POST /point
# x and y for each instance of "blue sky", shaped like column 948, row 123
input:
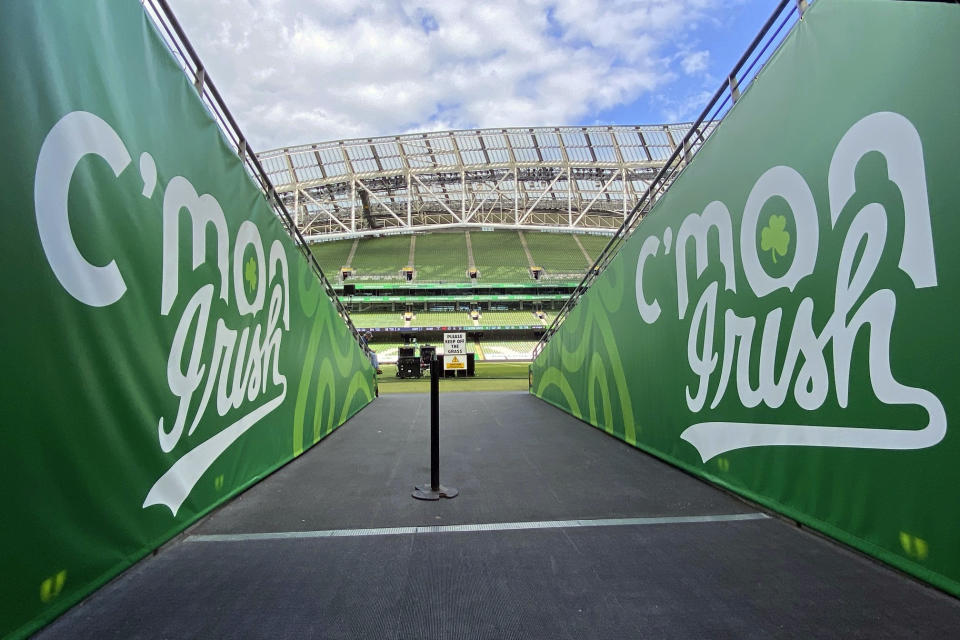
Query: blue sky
column 301, row 71
column 726, row 38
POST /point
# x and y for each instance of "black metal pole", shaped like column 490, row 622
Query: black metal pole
column 436, row 490
column 435, row 423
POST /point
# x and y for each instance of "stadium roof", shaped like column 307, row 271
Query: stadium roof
column 576, row 178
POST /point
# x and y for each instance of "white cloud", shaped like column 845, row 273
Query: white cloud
column 298, row 71
column 695, row 62
column 684, row 108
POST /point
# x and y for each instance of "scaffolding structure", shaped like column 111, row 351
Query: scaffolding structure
column 574, row 178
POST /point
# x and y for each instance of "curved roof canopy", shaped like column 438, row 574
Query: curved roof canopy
column 578, row 178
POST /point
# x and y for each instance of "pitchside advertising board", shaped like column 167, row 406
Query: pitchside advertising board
column 454, row 351
column 166, row 344
column 783, row 322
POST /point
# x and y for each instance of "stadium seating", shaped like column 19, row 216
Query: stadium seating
column 499, row 256
column 388, row 352
column 441, row 319
column 508, row 318
column 441, row 257
column 594, row 244
column 507, row 349
column 332, row 256
column 556, row 253
column 376, row 319
column 381, row 258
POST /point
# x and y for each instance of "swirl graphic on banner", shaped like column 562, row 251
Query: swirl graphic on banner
column 589, row 354
column 330, row 359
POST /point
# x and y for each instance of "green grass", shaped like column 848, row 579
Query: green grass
column 382, row 347
column 491, row 376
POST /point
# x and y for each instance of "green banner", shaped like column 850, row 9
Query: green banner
column 781, row 323
column 166, row 344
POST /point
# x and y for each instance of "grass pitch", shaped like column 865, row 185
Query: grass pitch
column 491, row 376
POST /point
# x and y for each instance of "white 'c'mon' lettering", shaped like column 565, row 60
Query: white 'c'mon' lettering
column 747, row 355
column 75, row 136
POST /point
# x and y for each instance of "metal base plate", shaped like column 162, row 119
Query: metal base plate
column 426, row 493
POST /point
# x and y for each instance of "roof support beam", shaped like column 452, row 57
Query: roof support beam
column 496, row 189
column 323, row 209
column 539, row 198
column 603, row 190
column 381, row 202
column 440, row 200
column 438, row 168
column 296, row 208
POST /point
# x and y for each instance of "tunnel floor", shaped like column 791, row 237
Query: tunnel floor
column 559, row 531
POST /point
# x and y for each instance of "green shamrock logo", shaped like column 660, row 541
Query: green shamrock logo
column 774, row 237
column 250, row 272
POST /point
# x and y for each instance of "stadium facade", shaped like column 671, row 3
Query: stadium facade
column 571, row 178
column 497, row 227
column 469, row 207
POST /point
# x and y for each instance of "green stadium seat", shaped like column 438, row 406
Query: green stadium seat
column 441, row 257
column 556, row 253
column 508, row 318
column 499, row 256
column 594, row 245
column 441, row 319
column 376, row 319
column 331, row 256
column 507, row 349
column 381, row 258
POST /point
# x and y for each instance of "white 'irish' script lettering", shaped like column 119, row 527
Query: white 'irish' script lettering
column 856, row 312
column 242, row 371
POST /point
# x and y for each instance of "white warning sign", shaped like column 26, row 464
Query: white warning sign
column 455, row 351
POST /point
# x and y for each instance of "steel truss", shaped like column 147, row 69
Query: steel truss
column 581, row 178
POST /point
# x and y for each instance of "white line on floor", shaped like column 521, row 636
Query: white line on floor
column 466, row 528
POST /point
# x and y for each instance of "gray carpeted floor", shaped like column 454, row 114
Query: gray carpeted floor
column 515, row 460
